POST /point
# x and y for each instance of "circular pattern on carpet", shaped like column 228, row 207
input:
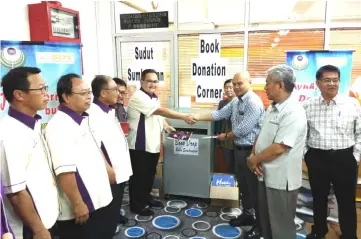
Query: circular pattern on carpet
column 134, row 232
column 166, row 222
column 225, row 231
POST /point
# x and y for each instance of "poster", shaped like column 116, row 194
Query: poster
column 54, row 60
column 209, row 70
column 306, row 64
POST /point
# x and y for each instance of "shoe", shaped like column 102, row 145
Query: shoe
column 155, row 203
column 243, row 220
column 123, row 220
column 254, row 233
column 144, row 212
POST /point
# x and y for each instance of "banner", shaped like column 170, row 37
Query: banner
column 53, row 59
column 306, row 64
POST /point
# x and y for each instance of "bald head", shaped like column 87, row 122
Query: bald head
column 242, row 76
column 241, row 83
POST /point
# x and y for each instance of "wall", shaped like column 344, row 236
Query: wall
column 95, row 22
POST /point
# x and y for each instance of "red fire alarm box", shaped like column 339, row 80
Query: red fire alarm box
column 49, row 21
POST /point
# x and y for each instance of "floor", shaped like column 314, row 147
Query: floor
column 186, row 228
column 334, row 229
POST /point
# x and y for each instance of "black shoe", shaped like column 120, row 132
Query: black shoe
column 254, row 233
column 155, row 203
column 123, row 220
column 244, row 219
column 144, row 212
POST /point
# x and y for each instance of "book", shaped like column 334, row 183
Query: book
column 179, row 135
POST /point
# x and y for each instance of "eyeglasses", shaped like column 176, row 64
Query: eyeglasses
column 112, row 89
column 152, row 81
column 43, row 89
column 329, row 80
column 122, row 92
column 85, row 93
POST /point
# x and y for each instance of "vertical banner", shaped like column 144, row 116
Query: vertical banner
column 306, row 64
column 53, row 59
column 209, row 70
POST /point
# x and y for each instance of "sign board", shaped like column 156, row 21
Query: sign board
column 139, row 56
column 186, row 147
column 144, row 20
column 209, row 70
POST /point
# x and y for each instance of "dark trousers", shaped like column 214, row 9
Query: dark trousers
column 28, row 233
column 95, row 228
column 338, row 167
column 228, row 155
column 144, row 167
column 112, row 212
column 247, row 180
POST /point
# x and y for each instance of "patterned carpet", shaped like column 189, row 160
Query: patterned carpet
column 181, row 224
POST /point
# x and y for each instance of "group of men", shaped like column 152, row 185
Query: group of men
column 69, row 180
column 268, row 148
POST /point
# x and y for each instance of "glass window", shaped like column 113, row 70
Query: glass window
column 269, row 13
column 141, row 6
column 231, row 48
column 345, row 11
column 351, row 40
column 267, row 49
column 157, row 56
column 210, row 14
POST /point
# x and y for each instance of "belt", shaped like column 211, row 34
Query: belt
column 331, row 151
column 243, row 147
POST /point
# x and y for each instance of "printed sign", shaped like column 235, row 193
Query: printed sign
column 184, row 147
column 209, row 70
column 145, row 55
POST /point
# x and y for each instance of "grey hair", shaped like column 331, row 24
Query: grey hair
column 285, row 74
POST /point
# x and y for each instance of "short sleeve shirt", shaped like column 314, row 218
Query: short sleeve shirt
column 26, row 165
column 144, row 127
column 74, row 148
column 284, row 123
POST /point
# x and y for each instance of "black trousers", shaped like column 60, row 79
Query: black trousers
column 247, row 180
column 95, row 228
column 338, row 167
column 144, row 167
column 115, row 205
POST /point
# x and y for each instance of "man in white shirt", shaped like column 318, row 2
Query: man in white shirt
column 276, row 157
column 145, row 126
column 32, row 204
column 333, row 152
column 113, row 142
column 79, row 164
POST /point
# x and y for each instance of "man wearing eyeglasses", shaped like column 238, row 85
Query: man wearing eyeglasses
column 79, row 164
column 113, row 142
column 333, row 152
column 146, row 122
column 32, row 204
column 120, row 110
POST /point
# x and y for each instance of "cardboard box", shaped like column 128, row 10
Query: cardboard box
column 224, row 196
